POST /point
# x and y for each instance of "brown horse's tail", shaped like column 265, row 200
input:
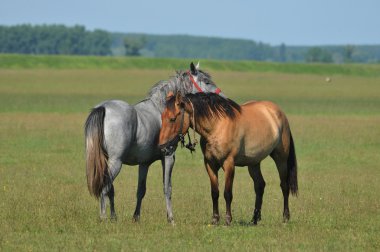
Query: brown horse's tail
column 96, row 155
column 292, row 168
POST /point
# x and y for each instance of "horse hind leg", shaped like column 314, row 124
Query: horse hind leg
column 109, row 191
column 259, row 185
column 282, row 167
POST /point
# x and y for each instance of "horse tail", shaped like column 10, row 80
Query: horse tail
column 96, row 154
column 292, row 168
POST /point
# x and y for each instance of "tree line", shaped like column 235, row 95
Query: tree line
column 184, row 46
column 54, row 39
column 76, row 40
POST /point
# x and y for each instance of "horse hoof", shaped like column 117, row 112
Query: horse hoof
column 286, row 217
column 215, row 220
column 256, row 217
column 136, row 218
column 103, row 217
column 113, row 218
column 255, row 221
column 228, row 220
column 171, row 221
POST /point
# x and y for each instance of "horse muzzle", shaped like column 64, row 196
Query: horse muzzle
column 170, row 147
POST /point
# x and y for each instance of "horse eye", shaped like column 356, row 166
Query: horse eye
column 172, row 119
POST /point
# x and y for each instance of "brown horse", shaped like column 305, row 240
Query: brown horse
column 233, row 135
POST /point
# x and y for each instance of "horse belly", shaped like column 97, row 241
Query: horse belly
column 141, row 155
column 145, row 148
column 252, row 152
column 252, row 158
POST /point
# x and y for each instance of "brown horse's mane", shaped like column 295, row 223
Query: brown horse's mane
column 211, row 105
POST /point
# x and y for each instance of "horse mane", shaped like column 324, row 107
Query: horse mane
column 178, row 83
column 164, row 85
column 211, row 105
column 160, row 90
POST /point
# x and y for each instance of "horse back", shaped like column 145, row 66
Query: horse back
column 263, row 112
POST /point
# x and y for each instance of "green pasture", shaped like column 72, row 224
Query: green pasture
column 45, row 205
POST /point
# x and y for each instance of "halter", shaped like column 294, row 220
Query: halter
column 169, row 147
column 217, row 90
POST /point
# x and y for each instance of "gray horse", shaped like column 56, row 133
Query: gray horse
column 117, row 133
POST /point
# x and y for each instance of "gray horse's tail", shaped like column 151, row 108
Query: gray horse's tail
column 96, row 154
column 292, row 168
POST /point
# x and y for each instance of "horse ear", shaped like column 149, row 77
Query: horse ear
column 178, row 98
column 193, row 69
column 197, row 66
column 169, row 95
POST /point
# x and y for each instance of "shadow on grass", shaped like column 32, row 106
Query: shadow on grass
column 238, row 223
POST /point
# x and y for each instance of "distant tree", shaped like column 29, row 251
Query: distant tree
column 347, row 53
column 98, row 43
column 317, row 54
column 133, row 45
column 54, row 39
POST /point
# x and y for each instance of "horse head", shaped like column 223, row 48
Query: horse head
column 175, row 121
column 198, row 81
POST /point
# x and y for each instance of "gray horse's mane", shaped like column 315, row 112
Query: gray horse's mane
column 176, row 83
column 167, row 85
column 180, row 82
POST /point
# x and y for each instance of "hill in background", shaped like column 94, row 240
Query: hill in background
column 76, row 40
column 186, row 46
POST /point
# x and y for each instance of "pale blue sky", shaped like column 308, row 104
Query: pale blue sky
column 294, row 22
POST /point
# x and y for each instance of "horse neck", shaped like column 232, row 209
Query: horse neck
column 202, row 126
column 148, row 112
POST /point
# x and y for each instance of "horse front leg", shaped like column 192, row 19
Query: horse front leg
column 141, row 189
column 167, row 167
column 229, row 173
column 213, row 175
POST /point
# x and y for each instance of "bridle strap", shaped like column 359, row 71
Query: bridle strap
column 194, row 82
column 217, row 90
column 169, row 147
column 190, row 145
column 181, row 136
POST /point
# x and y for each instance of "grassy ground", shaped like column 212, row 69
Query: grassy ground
column 14, row 61
column 45, row 204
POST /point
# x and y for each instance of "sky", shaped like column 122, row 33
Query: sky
column 293, row 22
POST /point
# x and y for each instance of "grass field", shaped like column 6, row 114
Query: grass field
column 45, row 205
